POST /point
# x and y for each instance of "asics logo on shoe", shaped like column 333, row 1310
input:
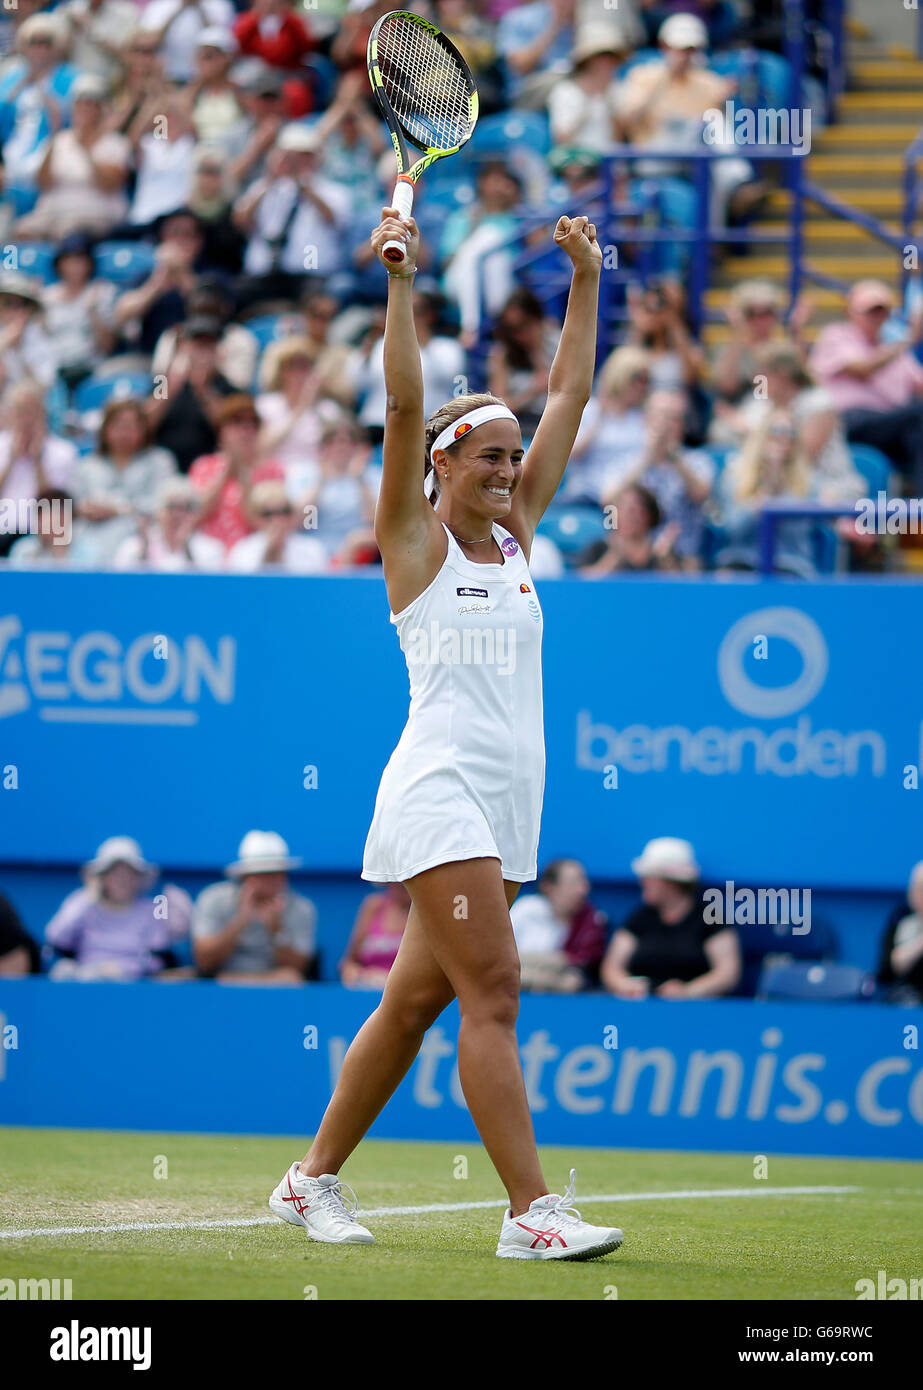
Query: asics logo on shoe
column 299, row 1202
column 549, row 1237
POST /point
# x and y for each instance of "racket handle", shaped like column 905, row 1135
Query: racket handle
column 394, row 251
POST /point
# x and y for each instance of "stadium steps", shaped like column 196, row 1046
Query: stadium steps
column 859, row 161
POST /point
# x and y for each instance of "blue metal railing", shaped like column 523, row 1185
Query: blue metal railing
column 772, row 513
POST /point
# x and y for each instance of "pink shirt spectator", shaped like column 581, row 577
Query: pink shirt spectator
column 128, row 937
column 229, row 523
column 893, row 385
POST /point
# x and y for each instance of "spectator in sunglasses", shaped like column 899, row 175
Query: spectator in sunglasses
column 278, row 543
column 170, row 542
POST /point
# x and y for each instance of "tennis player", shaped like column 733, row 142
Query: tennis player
column 458, row 809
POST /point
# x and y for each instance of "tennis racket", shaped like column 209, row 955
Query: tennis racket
column 426, row 94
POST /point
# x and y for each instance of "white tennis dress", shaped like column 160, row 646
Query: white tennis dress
column 467, row 777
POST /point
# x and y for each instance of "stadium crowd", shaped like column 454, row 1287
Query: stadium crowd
column 253, row 928
column 191, row 319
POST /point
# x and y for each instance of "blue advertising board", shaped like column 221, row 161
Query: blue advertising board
column 777, row 726
column 724, row 1075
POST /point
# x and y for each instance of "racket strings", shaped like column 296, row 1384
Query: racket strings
column 427, row 89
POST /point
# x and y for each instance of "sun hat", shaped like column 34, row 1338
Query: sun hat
column 667, row 857
column 120, row 849
column 683, row 31
column 261, row 852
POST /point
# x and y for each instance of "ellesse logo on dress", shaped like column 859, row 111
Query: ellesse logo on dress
column 471, row 593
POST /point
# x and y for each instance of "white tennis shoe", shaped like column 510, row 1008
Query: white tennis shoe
column 323, row 1206
column 552, row 1230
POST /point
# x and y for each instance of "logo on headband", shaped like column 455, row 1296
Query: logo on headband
column 463, row 429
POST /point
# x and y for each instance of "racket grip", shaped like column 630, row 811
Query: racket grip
column 394, row 251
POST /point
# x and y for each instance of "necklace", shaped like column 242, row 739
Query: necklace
column 480, row 540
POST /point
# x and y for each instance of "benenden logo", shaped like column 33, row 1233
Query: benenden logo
column 76, row 1343
column 95, row 678
column 793, row 750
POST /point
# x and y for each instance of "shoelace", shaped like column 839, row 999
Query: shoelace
column 340, row 1207
column 564, row 1208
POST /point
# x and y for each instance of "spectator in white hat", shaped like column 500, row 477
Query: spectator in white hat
column 177, row 25
column 663, row 105
column 254, row 929
column 667, row 947
column 111, row 928
column 217, row 112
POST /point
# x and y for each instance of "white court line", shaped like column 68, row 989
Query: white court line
column 121, row 1226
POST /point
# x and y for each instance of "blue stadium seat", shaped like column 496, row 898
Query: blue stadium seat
column 874, row 466
column 495, row 134
column 266, row 328
column 37, row 258
column 572, row 528
column 95, row 392
column 816, row 981
column 124, row 262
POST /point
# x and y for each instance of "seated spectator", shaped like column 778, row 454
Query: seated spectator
column 273, row 31
column 99, row 29
column 140, row 79
column 657, row 324
column 667, row 947
column 790, row 386
column 900, row 970
column 83, row 173
column 772, row 466
column 184, row 417
column 536, row 40
column 164, row 143
column 662, row 105
column 345, row 487
column 680, row 479
column 877, row 385
column 260, row 91
column 525, row 341
column 161, row 300
column 442, row 359
column 19, row 954
column 292, row 422
column 294, row 220
column 33, row 88
column 583, row 107
column 51, row 544
column 352, row 139
column 224, row 480
column 118, row 483
column 238, row 350
column 78, row 312
column 473, row 35
column 211, row 198
column 32, row 460
column 279, row 542
column 255, row 929
column 560, row 936
column 376, row 938
column 177, row 26
column 636, row 540
column 755, row 316
column 170, row 542
column 26, row 351
column 470, row 232
column 612, row 430
column 215, row 108
column 335, row 362
column 111, row 929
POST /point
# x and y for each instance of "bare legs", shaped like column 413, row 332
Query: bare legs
column 458, row 941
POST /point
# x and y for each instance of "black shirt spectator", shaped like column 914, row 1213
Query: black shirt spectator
column 19, row 954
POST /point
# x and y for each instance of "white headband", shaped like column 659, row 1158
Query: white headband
column 479, row 416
